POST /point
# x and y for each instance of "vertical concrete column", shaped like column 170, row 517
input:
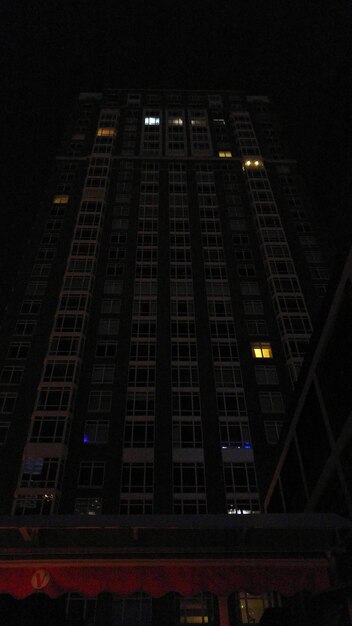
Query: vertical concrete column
column 223, row 611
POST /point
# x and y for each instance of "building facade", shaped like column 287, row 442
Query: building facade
column 162, row 313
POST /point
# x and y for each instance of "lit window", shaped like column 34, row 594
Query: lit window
column 175, row 121
column 252, row 607
column 262, row 351
column 199, row 609
column 225, row 154
column 152, row 121
column 60, row 199
column 243, row 506
column 252, row 164
column 106, row 132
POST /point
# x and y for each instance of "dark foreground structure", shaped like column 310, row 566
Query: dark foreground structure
column 321, row 473
column 110, row 570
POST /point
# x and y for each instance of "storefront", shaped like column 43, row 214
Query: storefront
column 250, row 556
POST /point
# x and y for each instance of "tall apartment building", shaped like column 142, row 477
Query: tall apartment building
column 162, row 312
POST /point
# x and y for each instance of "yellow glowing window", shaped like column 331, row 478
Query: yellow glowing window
column 199, row 122
column 253, row 163
column 195, row 619
column 226, row 154
column 252, row 607
column 262, row 351
column 194, row 611
column 60, row 200
column 175, row 121
column 106, row 132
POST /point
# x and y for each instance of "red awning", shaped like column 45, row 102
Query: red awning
column 158, row 578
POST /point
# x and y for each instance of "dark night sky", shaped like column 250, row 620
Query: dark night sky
column 298, row 52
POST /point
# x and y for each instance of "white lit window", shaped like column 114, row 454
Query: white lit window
column 242, row 506
column 152, row 121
